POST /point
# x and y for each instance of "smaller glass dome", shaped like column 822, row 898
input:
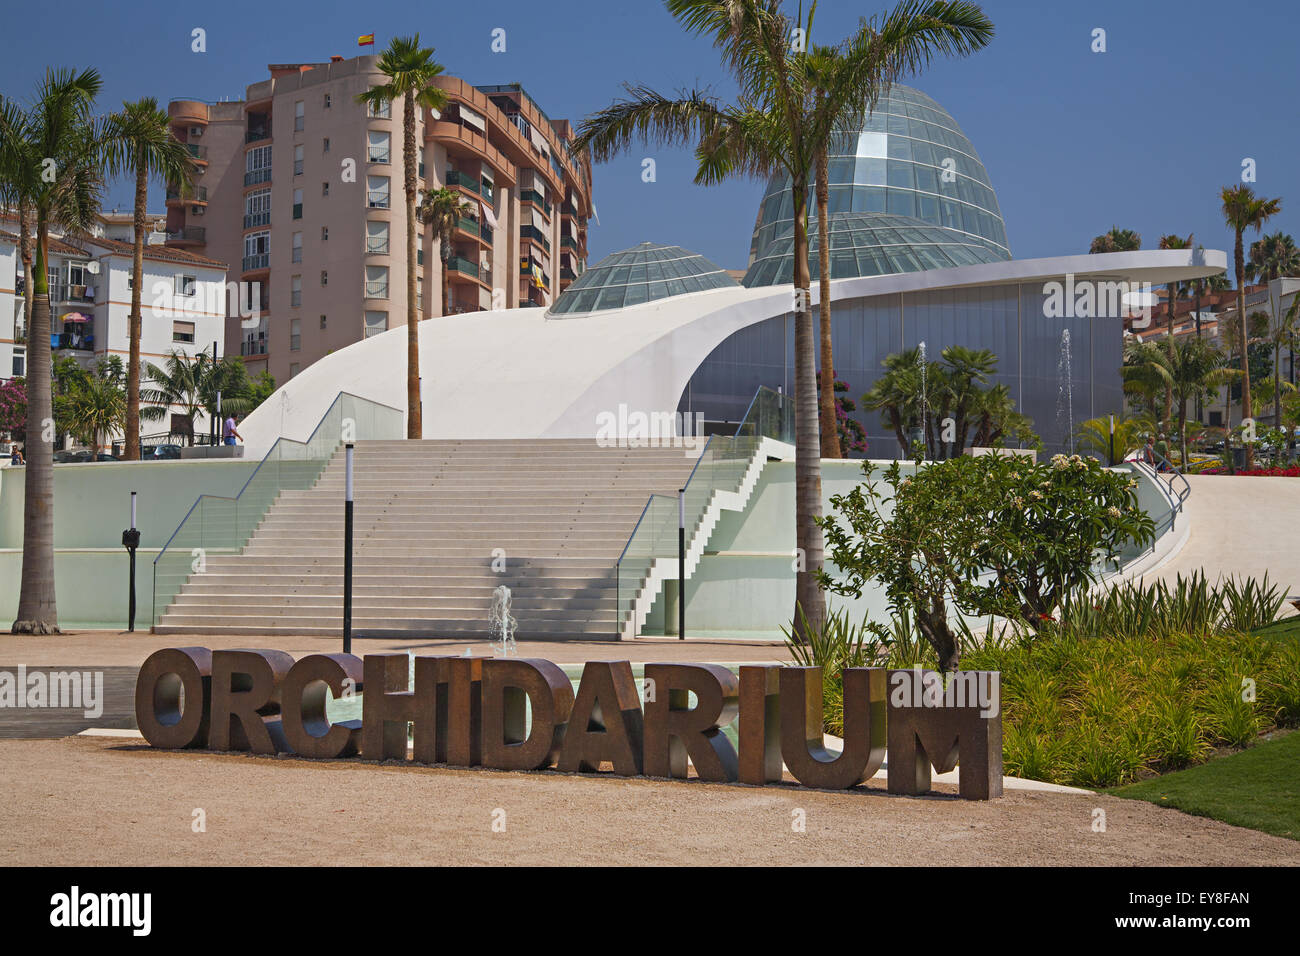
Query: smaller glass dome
column 871, row 244
column 641, row 274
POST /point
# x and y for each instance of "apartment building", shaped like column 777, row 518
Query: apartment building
column 303, row 188
column 183, row 300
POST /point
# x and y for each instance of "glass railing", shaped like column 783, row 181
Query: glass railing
column 467, row 224
column 457, row 178
column 463, row 266
column 721, row 467
column 217, row 525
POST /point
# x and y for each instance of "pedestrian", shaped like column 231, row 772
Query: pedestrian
column 230, row 431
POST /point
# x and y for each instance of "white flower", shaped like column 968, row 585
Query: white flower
column 1036, row 495
column 1018, row 502
column 1113, row 511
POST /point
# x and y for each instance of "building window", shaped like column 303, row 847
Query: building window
column 299, row 116
column 297, row 247
column 376, row 282
column 326, row 101
column 378, row 145
column 382, row 110
column 322, row 321
column 324, row 277
column 297, row 204
column 326, row 144
column 293, row 369
column 295, row 335
column 377, row 192
column 20, row 363
column 295, row 291
column 324, row 233
column 182, row 331
column 257, row 208
column 376, row 238
column 297, row 160
column 376, row 322
column 257, row 166
column 186, row 285
column 325, row 188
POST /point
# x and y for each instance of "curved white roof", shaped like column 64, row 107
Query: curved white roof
column 514, row 374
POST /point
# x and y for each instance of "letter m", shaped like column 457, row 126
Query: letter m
column 943, row 737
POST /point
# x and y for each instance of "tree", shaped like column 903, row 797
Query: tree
column 96, row 405
column 1195, row 371
column 1171, row 298
column 1271, row 258
column 779, row 122
column 443, row 208
column 139, row 143
column 1243, row 210
column 50, row 161
column 1145, row 376
column 981, row 535
column 411, row 72
column 1117, row 240
column 192, row 384
column 1094, row 436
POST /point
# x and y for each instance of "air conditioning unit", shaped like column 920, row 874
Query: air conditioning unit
column 196, row 132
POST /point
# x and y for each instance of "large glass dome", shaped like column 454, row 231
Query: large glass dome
column 643, row 273
column 906, row 175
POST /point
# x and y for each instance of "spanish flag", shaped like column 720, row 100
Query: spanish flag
column 366, row 40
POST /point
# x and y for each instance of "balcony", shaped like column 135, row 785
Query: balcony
column 534, row 197
column 381, row 156
column 256, row 176
column 256, row 134
column 376, row 247
column 62, row 292
column 72, row 341
column 458, row 139
column 254, row 219
column 457, row 178
column 377, row 200
column 252, row 347
column 377, row 289
column 571, row 244
column 197, row 152
column 190, row 234
column 199, row 195
column 463, row 266
column 257, row 263
column 532, row 233
column 465, row 224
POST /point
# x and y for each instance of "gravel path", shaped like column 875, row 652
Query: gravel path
column 96, row 801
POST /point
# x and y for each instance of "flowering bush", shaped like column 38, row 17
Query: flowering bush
column 1274, row 471
column 13, row 408
column 987, row 534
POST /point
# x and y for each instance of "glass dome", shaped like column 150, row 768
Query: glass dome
column 641, row 274
column 908, row 173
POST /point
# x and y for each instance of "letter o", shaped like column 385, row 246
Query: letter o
column 164, row 678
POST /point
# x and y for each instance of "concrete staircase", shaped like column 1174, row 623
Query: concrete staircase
column 438, row 525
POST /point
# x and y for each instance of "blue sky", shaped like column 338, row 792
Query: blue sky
column 1143, row 135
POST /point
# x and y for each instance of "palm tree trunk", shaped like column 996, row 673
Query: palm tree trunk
column 1169, row 345
column 444, row 249
column 810, row 603
column 132, row 450
column 414, row 424
column 36, row 607
column 1246, row 409
column 1182, row 429
column 830, row 437
column 25, row 252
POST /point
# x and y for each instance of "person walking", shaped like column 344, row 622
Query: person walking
column 230, row 432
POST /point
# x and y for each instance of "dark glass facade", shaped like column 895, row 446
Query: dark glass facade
column 1007, row 319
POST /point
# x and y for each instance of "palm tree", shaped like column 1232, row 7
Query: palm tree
column 1094, row 435
column 411, row 72
column 443, row 208
column 779, row 122
column 1195, row 371
column 1145, row 374
column 50, row 158
column 1116, row 240
column 98, row 406
column 1271, row 258
column 897, row 395
column 192, row 385
column 1172, row 241
column 140, row 143
column 1243, row 210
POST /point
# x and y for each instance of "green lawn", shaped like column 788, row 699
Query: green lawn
column 1257, row 788
column 1288, row 627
